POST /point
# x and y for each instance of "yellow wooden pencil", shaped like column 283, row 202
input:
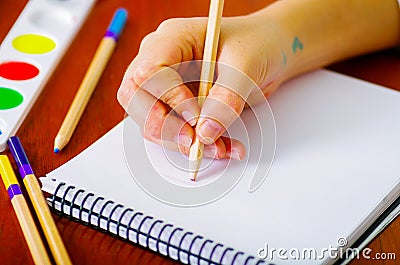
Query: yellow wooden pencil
column 42, row 210
column 92, row 77
column 206, row 76
column 31, row 234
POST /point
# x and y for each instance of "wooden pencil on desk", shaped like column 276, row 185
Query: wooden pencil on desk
column 206, row 76
column 92, row 77
column 31, row 234
column 42, row 210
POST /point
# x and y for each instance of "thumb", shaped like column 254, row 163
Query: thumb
column 221, row 108
column 224, row 103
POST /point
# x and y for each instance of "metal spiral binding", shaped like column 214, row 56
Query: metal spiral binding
column 237, row 255
column 62, row 192
column 159, row 236
column 224, row 253
column 100, row 215
column 73, row 201
column 121, row 217
column 151, row 229
column 213, row 250
column 170, row 238
column 140, row 226
column 111, row 214
column 191, row 245
column 92, row 208
column 202, row 247
column 180, row 244
column 248, row 259
column 130, row 225
column 82, row 205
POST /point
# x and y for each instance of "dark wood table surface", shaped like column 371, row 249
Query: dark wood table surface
column 86, row 245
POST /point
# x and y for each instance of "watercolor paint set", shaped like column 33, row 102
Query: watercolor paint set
column 29, row 54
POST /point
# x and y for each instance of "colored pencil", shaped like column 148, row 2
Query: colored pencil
column 25, row 219
column 92, row 77
column 42, row 210
column 206, row 76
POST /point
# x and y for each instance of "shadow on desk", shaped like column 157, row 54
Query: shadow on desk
column 114, row 250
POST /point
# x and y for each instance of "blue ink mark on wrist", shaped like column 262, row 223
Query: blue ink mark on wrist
column 297, row 45
column 284, row 57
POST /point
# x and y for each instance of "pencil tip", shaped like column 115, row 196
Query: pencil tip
column 56, row 150
column 193, row 176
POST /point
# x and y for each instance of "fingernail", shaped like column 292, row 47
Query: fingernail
column 189, row 117
column 210, row 151
column 209, row 131
column 235, row 155
column 184, row 140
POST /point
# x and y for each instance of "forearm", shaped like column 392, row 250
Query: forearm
column 319, row 32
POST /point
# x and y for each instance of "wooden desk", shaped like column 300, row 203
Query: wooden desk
column 85, row 245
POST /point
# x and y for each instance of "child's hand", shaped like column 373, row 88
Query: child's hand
column 270, row 46
column 241, row 46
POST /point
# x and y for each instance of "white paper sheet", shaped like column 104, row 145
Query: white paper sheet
column 335, row 170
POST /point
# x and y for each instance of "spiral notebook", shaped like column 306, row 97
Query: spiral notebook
column 334, row 180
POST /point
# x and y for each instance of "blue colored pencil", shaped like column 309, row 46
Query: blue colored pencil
column 92, row 77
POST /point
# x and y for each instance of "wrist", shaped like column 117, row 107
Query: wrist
column 277, row 38
column 316, row 33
